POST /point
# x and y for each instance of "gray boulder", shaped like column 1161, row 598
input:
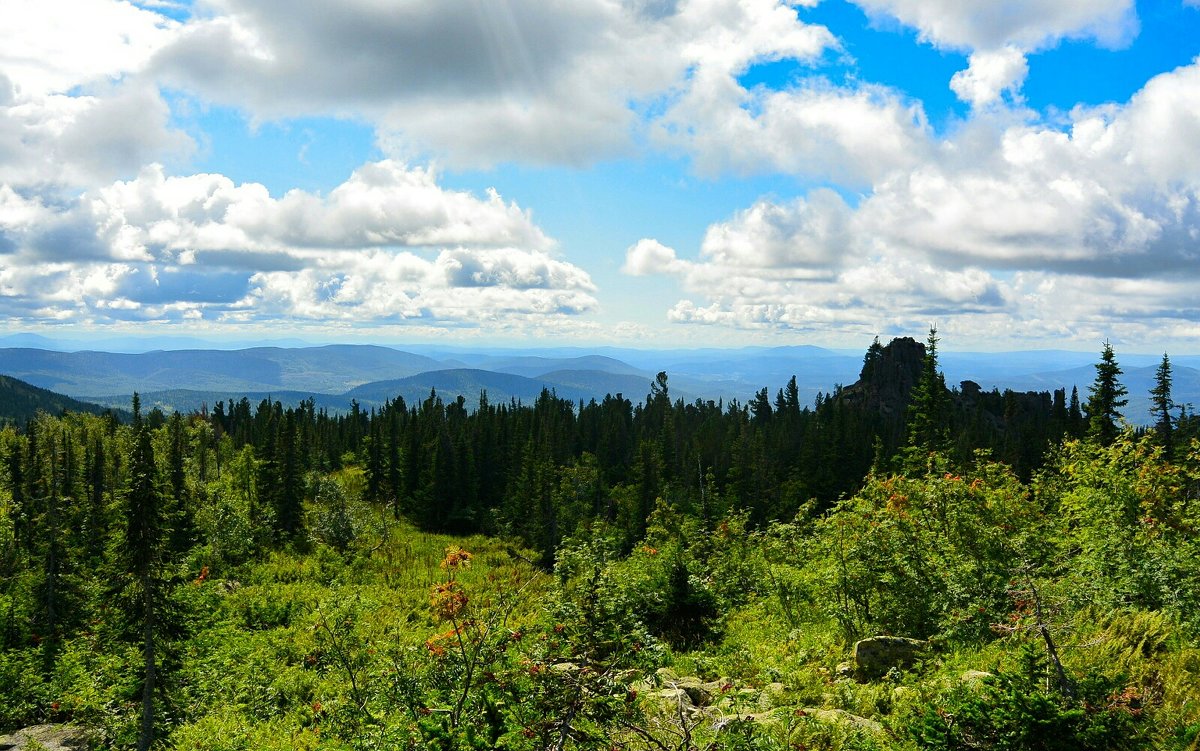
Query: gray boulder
column 48, row 737
column 875, row 656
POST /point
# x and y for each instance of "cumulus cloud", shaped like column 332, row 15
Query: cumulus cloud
column 478, row 83
column 649, row 256
column 457, row 285
column 1115, row 194
column 382, row 204
column 802, row 237
column 1053, row 228
column 53, row 46
column 854, row 135
column 989, row 75
column 999, row 34
column 75, row 141
column 1028, row 24
column 388, row 245
column 73, row 111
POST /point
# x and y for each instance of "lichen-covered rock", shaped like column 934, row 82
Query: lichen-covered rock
column 48, row 737
column 875, row 656
column 974, row 678
column 841, row 717
column 701, row 693
column 665, row 677
column 674, row 696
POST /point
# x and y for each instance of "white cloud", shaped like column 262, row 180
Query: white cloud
column 989, row 75
column 388, row 245
column 549, row 82
column 999, row 34
column 1053, row 229
column 1028, row 24
column 649, row 256
column 803, row 237
column 49, row 141
column 186, row 219
column 52, row 46
column 458, row 285
column 816, row 130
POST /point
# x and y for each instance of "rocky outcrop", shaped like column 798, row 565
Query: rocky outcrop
column 726, row 705
column 46, row 738
column 888, row 376
column 875, row 656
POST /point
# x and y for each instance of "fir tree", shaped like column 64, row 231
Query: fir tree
column 927, row 408
column 1162, row 404
column 1105, row 399
column 1075, row 414
column 142, row 551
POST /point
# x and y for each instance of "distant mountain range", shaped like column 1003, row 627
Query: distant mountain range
column 334, row 376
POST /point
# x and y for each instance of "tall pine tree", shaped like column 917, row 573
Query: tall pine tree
column 1105, row 399
column 142, row 552
column 927, row 409
column 1161, row 404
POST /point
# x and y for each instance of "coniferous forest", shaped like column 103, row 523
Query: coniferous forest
column 897, row 565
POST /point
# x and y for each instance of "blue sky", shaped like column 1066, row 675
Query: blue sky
column 633, row 172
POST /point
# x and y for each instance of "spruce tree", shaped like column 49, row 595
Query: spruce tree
column 1105, row 399
column 142, row 553
column 1075, row 414
column 927, row 408
column 1162, row 404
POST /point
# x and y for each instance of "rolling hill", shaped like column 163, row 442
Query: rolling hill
column 20, row 401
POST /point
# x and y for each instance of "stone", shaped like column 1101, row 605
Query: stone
column 48, row 737
column 701, row 693
column 665, row 677
column 843, row 718
column 674, row 696
column 875, row 656
column 975, row 675
column 756, row 718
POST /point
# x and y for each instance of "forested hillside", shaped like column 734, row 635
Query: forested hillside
column 21, row 402
column 897, row 565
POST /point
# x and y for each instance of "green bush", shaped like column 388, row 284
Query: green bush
column 1014, row 711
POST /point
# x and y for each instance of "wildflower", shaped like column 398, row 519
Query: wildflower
column 456, row 558
column 437, row 644
column 447, row 600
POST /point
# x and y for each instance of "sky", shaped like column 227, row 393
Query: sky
column 646, row 173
